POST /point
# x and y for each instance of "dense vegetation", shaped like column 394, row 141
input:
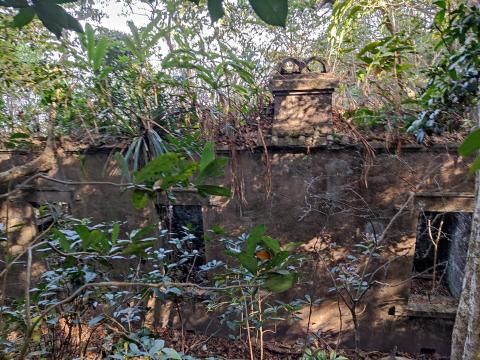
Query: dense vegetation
column 180, row 71
column 196, row 74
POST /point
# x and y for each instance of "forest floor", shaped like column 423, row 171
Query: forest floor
column 223, row 348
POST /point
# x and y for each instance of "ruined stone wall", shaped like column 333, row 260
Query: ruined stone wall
column 101, row 203
column 319, row 196
column 315, row 196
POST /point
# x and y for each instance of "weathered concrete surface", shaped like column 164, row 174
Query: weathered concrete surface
column 317, row 198
column 302, row 108
column 101, row 203
column 458, row 252
column 320, row 195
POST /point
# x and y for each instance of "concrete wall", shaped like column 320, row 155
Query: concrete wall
column 98, row 202
column 458, row 250
column 318, row 196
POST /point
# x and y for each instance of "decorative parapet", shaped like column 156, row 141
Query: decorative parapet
column 302, row 103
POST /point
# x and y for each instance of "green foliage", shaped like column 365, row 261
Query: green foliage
column 211, row 81
column 206, row 190
column 56, row 19
column 273, row 12
column 365, row 117
column 453, row 86
column 77, row 253
column 454, row 83
column 387, row 47
column 30, row 77
column 17, row 140
column 96, row 49
column 280, row 281
column 145, row 348
column 165, row 171
column 172, row 169
column 385, row 56
column 215, row 8
column 141, row 41
column 121, row 91
column 319, row 354
column 471, row 143
column 103, row 241
column 470, row 146
column 267, row 261
column 214, row 168
column 52, row 15
column 264, row 268
column 140, row 199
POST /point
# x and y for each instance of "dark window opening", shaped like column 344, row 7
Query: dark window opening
column 427, row 351
column 184, row 226
column 440, row 253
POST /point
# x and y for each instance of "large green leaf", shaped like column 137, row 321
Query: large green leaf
column 84, row 234
column 94, row 239
column 137, row 248
column 254, row 238
column 214, row 169
column 19, row 135
column 89, row 41
column 278, row 259
column 166, row 170
column 273, row 12
column 115, row 233
column 140, row 199
column 208, row 155
column 249, row 262
column 215, row 8
column 271, row 244
column 470, row 144
column 98, row 241
column 99, row 54
column 23, row 17
column 205, row 190
column 62, row 240
column 14, row 3
column 280, row 281
column 142, row 233
column 171, row 354
column 475, row 165
column 55, row 18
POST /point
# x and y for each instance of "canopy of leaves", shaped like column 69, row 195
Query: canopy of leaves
column 166, row 84
column 453, row 85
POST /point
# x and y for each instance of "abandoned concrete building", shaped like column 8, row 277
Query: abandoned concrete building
column 308, row 183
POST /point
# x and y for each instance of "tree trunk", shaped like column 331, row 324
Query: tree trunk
column 466, row 333
column 44, row 162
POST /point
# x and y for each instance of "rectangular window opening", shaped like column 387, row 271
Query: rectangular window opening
column 184, row 225
column 440, row 256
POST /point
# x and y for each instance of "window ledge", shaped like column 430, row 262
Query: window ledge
column 440, row 307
